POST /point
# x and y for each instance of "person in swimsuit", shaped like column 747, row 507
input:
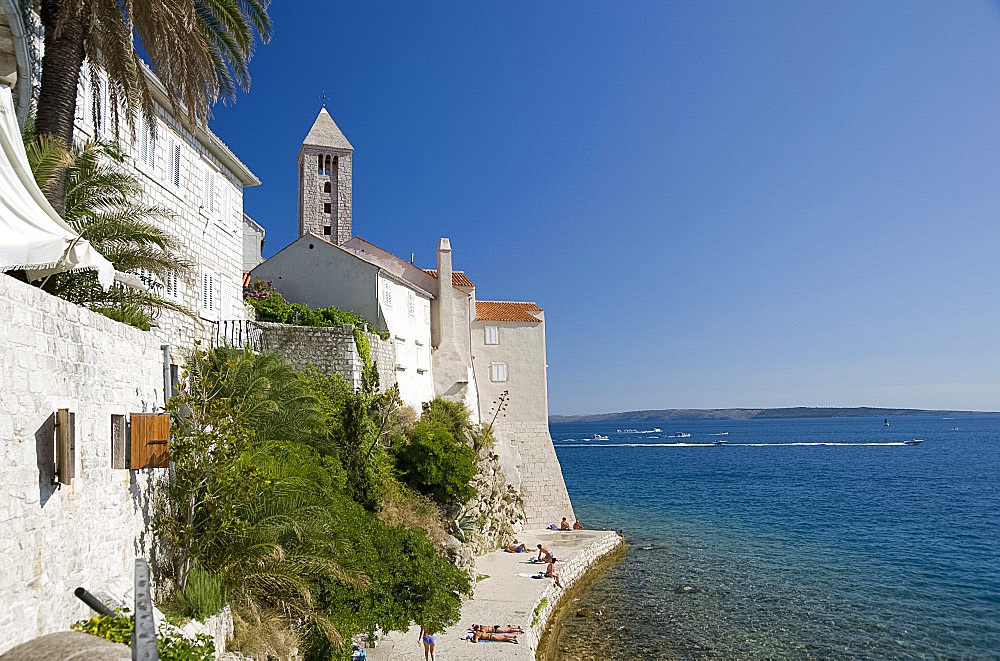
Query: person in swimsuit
column 500, row 637
column 496, row 628
column 543, row 554
column 519, row 548
column 578, row 525
column 428, row 640
column 564, row 524
column 551, row 571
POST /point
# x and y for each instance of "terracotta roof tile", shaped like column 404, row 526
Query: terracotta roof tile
column 246, row 280
column 458, row 278
column 506, row 311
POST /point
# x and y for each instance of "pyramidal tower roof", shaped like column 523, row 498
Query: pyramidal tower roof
column 326, row 133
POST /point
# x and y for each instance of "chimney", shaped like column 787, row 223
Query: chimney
column 445, row 297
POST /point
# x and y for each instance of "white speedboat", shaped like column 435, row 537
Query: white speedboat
column 681, row 434
column 598, row 437
column 721, row 441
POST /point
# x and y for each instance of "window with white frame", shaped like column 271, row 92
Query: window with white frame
column 102, row 111
column 209, row 293
column 146, row 147
column 492, row 335
column 208, row 190
column 174, row 162
column 411, row 304
column 222, row 198
column 387, row 294
column 400, row 352
column 422, row 362
column 498, row 372
column 427, row 313
column 171, row 286
column 82, row 97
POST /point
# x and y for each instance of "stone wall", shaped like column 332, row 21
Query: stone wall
column 569, row 574
column 54, row 538
column 331, row 349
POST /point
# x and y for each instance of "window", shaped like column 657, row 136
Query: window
column 400, row 352
column 102, row 115
column 498, row 372
column 208, row 190
column 146, row 149
column 492, row 335
column 427, row 313
column 174, row 163
column 326, row 187
column 326, row 230
column 119, row 446
column 209, row 294
column 171, row 286
column 222, row 198
column 387, row 294
column 82, row 97
column 319, row 167
column 421, row 357
column 326, row 207
column 411, row 304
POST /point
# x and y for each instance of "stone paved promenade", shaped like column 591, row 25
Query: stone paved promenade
column 506, row 598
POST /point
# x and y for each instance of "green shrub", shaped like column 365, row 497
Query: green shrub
column 204, row 595
column 272, row 306
column 437, row 465
column 171, row 645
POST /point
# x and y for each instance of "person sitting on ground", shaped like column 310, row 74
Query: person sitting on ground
column 516, row 548
column 500, row 637
column 564, row 525
column 550, row 571
column 543, row 554
column 497, row 628
column 578, row 525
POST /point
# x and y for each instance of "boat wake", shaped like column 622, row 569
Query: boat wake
column 565, row 444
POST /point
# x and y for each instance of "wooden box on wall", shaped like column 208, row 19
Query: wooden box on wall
column 149, row 443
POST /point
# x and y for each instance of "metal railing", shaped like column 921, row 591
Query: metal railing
column 239, row 333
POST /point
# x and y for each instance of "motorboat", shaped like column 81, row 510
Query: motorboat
column 721, row 441
column 598, row 437
column 916, row 441
column 682, row 434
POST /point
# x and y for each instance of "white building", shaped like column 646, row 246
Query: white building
column 189, row 171
column 319, row 273
column 508, row 342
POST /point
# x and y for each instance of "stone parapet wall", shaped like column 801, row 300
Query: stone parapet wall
column 54, row 538
column 569, row 574
column 331, row 350
column 529, row 459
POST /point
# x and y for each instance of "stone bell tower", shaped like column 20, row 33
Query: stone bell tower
column 325, row 181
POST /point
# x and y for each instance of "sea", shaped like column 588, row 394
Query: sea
column 795, row 539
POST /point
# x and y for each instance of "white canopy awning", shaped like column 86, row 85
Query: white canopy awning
column 32, row 235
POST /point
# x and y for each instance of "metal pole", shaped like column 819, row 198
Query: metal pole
column 94, row 603
column 166, row 373
column 144, row 634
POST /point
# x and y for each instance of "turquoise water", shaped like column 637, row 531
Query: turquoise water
column 818, row 538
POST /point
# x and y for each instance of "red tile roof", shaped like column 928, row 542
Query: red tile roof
column 506, row 311
column 246, row 279
column 458, row 278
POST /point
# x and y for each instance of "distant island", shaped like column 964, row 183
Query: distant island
column 752, row 414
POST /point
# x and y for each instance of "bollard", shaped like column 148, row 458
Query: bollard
column 94, row 603
column 144, row 634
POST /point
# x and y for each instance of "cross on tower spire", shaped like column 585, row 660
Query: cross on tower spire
column 323, row 97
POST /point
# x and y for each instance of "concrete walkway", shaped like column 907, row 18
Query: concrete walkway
column 506, row 598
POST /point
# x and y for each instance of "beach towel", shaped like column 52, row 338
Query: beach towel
column 525, row 574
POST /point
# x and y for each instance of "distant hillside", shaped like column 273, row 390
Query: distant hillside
column 749, row 414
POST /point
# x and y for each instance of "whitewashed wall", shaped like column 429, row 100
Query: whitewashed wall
column 407, row 314
column 52, row 539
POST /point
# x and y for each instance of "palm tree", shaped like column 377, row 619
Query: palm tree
column 199, row 49
column 102, row 204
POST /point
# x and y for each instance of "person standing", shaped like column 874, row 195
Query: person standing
column 428, row 640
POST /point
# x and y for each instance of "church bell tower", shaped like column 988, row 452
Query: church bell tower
column 325, row 181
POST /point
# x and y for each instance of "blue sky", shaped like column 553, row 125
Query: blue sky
column 717, row 204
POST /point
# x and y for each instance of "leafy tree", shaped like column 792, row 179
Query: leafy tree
column 199, row 49
column 434, row 463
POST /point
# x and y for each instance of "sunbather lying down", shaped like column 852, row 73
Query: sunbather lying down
column 499, row 637
column 496, row 628
column 516, row 548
